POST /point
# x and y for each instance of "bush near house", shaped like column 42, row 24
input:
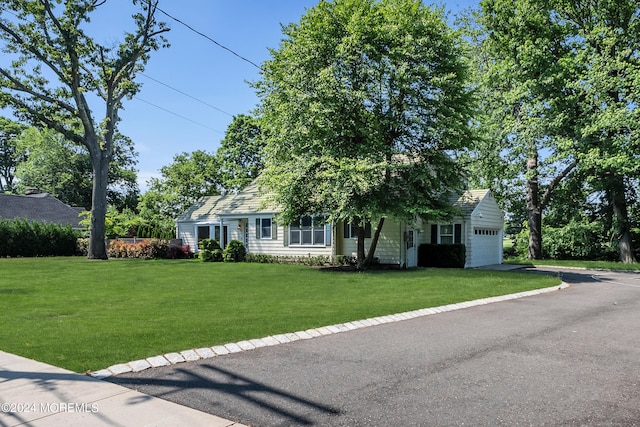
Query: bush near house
column 210, row 251
column 148, row 249
column 21, row 238
column 234, row 252
column 442, row 256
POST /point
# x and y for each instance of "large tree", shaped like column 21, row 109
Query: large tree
column 188, row 178
column 63, row 169
column 364, row 105
column 564, row 82
column 241, row 153
column 54, row 70
column 9, row 156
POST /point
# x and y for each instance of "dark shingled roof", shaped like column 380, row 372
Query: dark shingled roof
column 39, row 208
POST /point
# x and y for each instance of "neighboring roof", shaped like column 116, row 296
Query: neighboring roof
column 39, row 208
column 247, row 201
column 468, row 200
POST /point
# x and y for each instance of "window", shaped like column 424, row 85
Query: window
column 309, row 231
column 446, row 234
column 485, row 232
column 264, row 228
column 225, row 234
column 351, row 230
column 203, row 232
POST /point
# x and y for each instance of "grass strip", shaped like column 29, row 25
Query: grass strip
column 87, row 315
column 601, row 265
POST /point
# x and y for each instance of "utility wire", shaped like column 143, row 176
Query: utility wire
column 291, row 85
column 178, row 115
column 210, row 39
column 187, row 95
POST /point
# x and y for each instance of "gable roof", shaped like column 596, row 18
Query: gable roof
column 247, row 201
column 38, row 208
column 468, row 200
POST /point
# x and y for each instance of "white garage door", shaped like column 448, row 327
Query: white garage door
column 486, row 247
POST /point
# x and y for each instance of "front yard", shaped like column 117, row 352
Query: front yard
column 87, row 315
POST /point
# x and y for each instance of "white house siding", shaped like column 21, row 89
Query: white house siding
column 279, row 246
column 390, row 245
column 485, row 234
column 186, row 231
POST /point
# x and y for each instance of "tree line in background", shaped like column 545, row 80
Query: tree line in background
column 375, row 107
column 42, row 159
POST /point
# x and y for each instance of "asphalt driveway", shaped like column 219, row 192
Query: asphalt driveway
column 570, row 357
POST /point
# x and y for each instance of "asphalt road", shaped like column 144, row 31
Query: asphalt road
column 570, row 357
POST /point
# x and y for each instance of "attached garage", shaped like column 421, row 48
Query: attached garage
column 487, row 244
column 479, row 228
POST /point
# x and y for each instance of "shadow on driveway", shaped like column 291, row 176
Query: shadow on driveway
column 199, row 387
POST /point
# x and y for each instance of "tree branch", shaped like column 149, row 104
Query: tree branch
column 31, row 49
column 20, row 87
column 554, row 182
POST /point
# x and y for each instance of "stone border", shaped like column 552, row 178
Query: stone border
column 246, row 345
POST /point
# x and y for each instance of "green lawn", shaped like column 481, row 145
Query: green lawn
column 603, row 265
column 87, row 315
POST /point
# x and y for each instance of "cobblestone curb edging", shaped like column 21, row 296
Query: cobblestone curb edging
column 246, row 345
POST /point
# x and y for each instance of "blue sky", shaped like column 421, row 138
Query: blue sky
column 199, row 68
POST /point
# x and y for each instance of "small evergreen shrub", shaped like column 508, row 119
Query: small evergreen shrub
column 442, row 256
column 208, row 244
column 234, row 252
column 210, row 251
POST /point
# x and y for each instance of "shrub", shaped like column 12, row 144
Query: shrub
column 575, row 240
column 30, row 239
column 208, row 244
column 320, row 260
column 234, row 252
column 147, row 249
column 179, row 252
column 205, row 255
column 442, row 256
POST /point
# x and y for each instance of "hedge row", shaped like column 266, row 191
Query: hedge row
column 148, row 249
column 20, row 238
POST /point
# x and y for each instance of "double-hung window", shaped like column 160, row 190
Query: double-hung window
column 446, row 234
column 264, row 228
column 309, row 231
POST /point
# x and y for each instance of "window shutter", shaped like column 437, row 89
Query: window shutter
column 367, row 230
column 285, row 236
column 347, row 230
column 327, row 234
column 434, row 234
column 274, row 229
column 457, row 233
column 258, row 225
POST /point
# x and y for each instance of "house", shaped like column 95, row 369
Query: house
column 242, row 217
column 39, row 207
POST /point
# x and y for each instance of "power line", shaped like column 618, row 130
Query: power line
column 178, row 115
column 187, row 95
column 210, row 39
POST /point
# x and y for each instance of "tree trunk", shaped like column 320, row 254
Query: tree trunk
column 534, row 211
column 621, row 219
column 97, row 244
column 360, row 256
column 374, row 243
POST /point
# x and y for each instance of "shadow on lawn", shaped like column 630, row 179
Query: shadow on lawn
column 228, row 394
